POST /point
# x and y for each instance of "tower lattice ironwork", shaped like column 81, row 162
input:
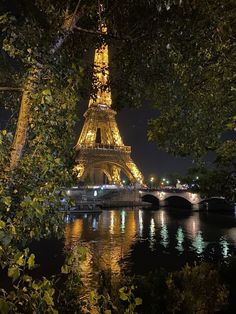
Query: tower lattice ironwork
column 101, row 152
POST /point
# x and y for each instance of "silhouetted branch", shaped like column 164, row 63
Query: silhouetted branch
column 3, row 89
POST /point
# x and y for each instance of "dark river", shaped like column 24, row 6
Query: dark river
column 135, row 241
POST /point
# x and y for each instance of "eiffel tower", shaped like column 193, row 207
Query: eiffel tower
column 101, row 155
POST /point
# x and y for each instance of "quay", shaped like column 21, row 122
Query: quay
column 94, row 198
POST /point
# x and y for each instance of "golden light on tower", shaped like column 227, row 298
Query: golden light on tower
column 101, row 75
column 100, row 148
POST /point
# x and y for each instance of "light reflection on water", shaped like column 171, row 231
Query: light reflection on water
column 152, row 239
column 139, row 240
column 180, row 240
column 198, row 243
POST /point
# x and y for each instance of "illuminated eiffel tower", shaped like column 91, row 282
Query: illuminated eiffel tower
column 101, row 155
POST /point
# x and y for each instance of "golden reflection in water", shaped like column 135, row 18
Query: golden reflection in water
column 192, row 225
column 161, row 218
column 105, row 254
column 73, row 231
column 112, row 220
column 114, row 250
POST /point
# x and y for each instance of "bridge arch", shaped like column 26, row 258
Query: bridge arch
column 178, row 202
column 149, row 198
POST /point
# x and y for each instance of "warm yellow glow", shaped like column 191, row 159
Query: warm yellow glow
column 101, row 76
column 135, row 172
column 73, row 231
column 116, row 175
column 112, row 223
column 79, row 170
column 100, row 145
column 193, row 225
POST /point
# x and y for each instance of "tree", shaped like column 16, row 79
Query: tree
column 195, row 289
column 185, row 64
column 167, row 60
column 220, row 179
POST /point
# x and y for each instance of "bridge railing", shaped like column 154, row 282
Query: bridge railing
column 174, row 190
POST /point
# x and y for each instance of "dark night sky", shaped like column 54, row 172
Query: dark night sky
column 151, row 161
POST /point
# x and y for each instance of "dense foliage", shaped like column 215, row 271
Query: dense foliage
column 175, row 53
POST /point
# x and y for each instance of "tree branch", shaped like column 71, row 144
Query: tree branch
column 3, row 89
column 127, row 38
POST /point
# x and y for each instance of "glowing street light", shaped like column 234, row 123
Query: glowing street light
column 151, row 181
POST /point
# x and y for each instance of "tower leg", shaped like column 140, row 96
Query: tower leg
column 137, row 175
column 115, row 174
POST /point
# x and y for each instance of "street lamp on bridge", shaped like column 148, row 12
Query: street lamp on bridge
column 152, row 179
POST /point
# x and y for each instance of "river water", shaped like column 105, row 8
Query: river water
column 136, row 241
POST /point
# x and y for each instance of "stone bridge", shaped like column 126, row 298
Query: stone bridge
column 173, row 197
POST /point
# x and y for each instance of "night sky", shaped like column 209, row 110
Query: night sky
column 150, row 160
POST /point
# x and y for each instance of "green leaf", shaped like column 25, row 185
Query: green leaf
column 31, row 261
column 34, row 96
column 65, row 269
column 138, row 301
column 57, row 160
column 3, row 18
column 27, row 278
column 107, row 312
column 46, row 92
column 6, row 239
column 48, row 299
column 7, row 200
column 82, row 252
column 48, row 99
column 20, row 261
column 123, row 296
column 35, row 286
column 2, row 224
column 14, row 272
column 4, row 307
column 63, row 106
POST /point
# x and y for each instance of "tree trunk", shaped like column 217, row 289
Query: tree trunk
column 23, row 119
column 34, row 75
